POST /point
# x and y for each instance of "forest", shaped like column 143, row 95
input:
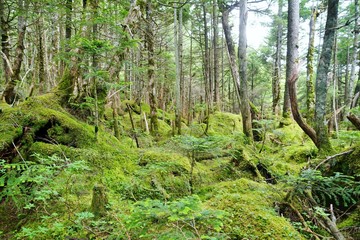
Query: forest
column 157, row 119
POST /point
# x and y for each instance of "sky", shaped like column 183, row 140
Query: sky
column 256, row 31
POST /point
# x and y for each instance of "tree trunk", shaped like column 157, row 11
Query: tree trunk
column 190, row 79
column 41, row 58
column 277, row 65
column 310, row 91
column 95, row 63
column 354, row 120
column 178, row 109
column 207, row 68
column 244, row 98
column 323, row 142
column 5, row 45
column 234, row 68
column 354, row 56
column 149, row 37
column 292, row 62
column 216, row 55
column 9, row 93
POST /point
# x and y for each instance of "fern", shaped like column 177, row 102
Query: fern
column 340, row 188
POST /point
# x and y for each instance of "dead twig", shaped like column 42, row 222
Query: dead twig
column 333, row 156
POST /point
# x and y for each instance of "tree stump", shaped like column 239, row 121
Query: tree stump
column 99, row 201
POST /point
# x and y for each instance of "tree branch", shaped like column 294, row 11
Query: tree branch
column 333, row 156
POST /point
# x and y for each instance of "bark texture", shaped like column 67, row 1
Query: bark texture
column 244, row 97
column 277, row 64
column 292, row 62
column 323, row 142
column 154, row 126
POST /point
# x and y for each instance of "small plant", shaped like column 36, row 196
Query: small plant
column 194, row 147
column 31, row 184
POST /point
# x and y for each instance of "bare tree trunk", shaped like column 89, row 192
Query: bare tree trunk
column 292, row 58
column 333, row 122
column 323, row 142
column 354, row 56
column 207, row 68
column 154, row 126
column 346, row 91
column 178, row 109
column 310, row 91
column 277, row 67
column 95, row 62
column 190, row 79
column 216, row 55
column 246, row 117
column 244, row 98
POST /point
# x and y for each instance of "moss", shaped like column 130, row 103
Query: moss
column 65, row 87
column 250, row 205
column 348, row 164
column 224, row 123
column 99, row 201
column 289, row 134
column 157, row 175
column 351, row 224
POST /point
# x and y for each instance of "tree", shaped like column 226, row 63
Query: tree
column 292, row 58
column 177, row 42
column 244, row 98
column 149, row 37
column 351, row 83
column 310, row 90
column 5, row 20
column 9, row 93
column 322, row 76
column 318, row 135
column 240, row 85
column 277, row 64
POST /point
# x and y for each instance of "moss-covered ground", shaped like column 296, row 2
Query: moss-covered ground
column 197, row 186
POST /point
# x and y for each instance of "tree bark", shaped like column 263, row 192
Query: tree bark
column 353, row 57
column 277, row 65
column 207, row 67
column 246, row 115
column 292, row 62
column 310, row 90
column 244, row 98
column 323, row 142
column 5, row 45
column 41, row 58
column 9, row 93
column 154, row 126
column 354, row 120
column 178, row 109
column 216, row 55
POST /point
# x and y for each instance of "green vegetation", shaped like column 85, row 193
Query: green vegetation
column 57, row 182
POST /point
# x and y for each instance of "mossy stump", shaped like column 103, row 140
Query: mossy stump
column 99, row 201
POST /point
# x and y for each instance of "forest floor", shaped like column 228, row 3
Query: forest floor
column 58, row 180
